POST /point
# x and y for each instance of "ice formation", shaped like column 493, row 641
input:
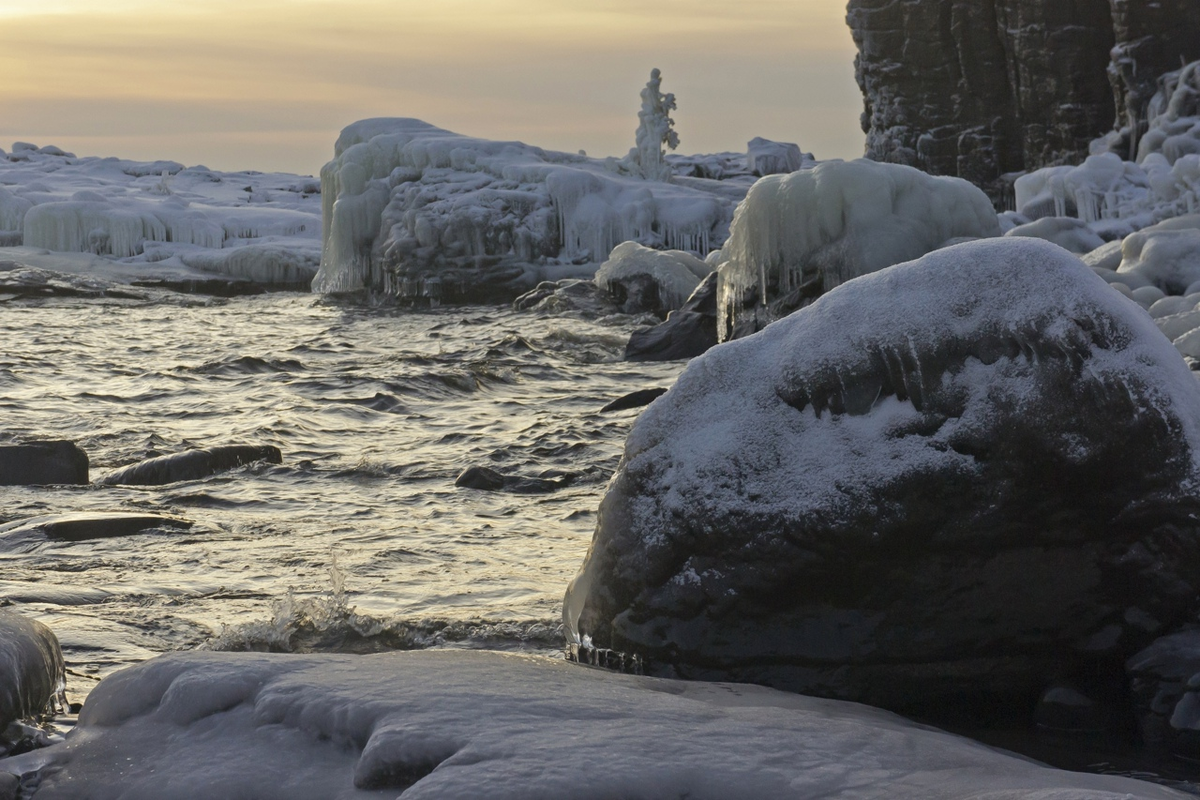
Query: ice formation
column 655, row 131
column 32, row 675
column 821, row 227
column 1167, row 254
column 1117, row 196
column 764, row 157
column 674, row 273
column 1066, row 232
column 455, row 724
column 412, row 209
column 158, row 220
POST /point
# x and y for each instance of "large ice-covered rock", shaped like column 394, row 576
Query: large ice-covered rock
column 1167, row 254
column 32, row 674
column 796, row 236
column 944, row 484
column 417, row 211
column 454, row 724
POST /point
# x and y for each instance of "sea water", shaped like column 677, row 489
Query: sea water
column 359, row 541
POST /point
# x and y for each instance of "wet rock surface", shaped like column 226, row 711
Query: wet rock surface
column 191, row 465
column 84, row 525
column 43, row 463
column 489, row 480
column 940, row 489
column 977, row 88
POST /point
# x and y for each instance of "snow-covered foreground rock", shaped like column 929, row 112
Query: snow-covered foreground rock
column 442, row 724
column 425, row 214
column 156, row 221
column 799, row 235
column 942, row 486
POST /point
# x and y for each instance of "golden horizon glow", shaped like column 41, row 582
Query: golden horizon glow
column 267, row 84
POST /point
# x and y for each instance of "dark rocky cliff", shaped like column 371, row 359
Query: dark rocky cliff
column 979, row 88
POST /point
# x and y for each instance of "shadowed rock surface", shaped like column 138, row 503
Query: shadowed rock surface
column 941, row 489
column 191, row 465
column 979, row 88
column 31, row 667
column 686, row 333
column 642, row 397
column 43, row 463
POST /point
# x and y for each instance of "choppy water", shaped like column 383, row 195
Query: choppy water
column 359, row 540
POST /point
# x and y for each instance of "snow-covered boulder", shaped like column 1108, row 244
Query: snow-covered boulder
column 796, row 236
column 32, row 674
column 1066, row 232
column 1167, row 254
column 405, row 201
column 946, row 483
column 455, row 724
column 645, row 280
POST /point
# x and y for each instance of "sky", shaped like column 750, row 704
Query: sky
column 268, row 84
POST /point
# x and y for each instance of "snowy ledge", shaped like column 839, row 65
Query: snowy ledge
column 438, row 723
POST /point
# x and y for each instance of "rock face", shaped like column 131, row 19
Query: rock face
column 687, row 331
column 940, row 489
column 43, row 463
column 979, row 88
column 31, row 667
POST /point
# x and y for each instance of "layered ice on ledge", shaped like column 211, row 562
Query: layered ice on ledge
column 156, row 220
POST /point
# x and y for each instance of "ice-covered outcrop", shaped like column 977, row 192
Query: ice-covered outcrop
column 977, row 88
column 1066, row 232
column 641, row 279
column 1166, row 255
column 796, row 236
column 413, row 210
column 159, row 220
column 458, row 724
column 944, row 485
column 32, row 674
column 1115, row 196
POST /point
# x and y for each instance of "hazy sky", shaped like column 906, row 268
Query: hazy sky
column 267, row 84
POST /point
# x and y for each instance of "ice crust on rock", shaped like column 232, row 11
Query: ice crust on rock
column 32, row 673
column 844, row 502
column 405, row 203
column 449, row 724
column 1066, row 232
column 674, row 274
column 158, row 220
column 821, row 227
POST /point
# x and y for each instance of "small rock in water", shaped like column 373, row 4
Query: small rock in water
column 43, row 463
column 86, row 525
column 489, row 480
column 642, row 397
column 687, row 332
column 191, row 465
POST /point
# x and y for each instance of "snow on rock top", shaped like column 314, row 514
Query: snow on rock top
column 411, row 209
column 157, row 220
column 837, row 221
column 673, row 273
column 455, row 724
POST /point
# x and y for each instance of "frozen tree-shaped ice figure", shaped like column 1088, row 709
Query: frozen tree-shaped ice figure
column 655, row 129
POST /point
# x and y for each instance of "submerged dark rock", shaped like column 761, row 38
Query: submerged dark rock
column 939, row 489
column 43, row 463
column 489, row 480
column 980, row 88
column 191, row 465
column 31, row 667
column 686, row 333
column 642, row 397
column 86, row 525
